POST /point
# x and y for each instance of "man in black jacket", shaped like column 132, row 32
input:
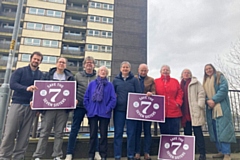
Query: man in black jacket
column 20, row 116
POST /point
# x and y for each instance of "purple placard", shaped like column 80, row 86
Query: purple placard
column 176, row 147
column 144, row 108
column 54, row 95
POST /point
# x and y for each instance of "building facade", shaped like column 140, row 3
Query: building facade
column 109, row 30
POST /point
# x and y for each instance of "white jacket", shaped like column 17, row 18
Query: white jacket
column 196, row 99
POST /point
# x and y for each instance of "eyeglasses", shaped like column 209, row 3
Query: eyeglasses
column 62, row 62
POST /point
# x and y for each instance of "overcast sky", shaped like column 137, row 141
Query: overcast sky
column 189, row 34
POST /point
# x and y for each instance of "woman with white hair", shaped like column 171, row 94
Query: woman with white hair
column 193, row 109
column 170, row 88
column 99, row 101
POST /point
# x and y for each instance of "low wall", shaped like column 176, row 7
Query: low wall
column 82, row 145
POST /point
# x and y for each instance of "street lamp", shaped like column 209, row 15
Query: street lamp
column 5, row 89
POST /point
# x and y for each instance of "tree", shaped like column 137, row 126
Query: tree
column 229, row 65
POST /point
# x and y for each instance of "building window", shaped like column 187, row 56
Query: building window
column 95, row 5
column 100, row 63
column 49, row 59
column 49, row 43
column 93, row 47
column 35, row 26
column 25, row 57
column 106, row 49
column 107, row 20
column 56, row 1
column 52, row 28
column 36, row 11
column 54, row 13
column 93, row 33
column 94, row 18
column 32, row 41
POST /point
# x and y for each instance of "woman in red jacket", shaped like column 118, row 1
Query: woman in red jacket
column 170, row 88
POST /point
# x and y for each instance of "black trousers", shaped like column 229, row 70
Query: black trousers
column 103, row 127
column 199, row 139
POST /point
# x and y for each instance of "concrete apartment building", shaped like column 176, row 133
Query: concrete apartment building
column 109, row 30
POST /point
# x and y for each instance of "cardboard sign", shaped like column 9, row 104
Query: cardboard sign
column 142, row 107
column 176, row 147
column 54, row 95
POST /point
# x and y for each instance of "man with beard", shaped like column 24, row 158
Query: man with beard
column 20, row 116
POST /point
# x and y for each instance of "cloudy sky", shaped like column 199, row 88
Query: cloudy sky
column 189, row 34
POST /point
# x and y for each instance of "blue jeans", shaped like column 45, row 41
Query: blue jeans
column 78, row 116
column 119, row 119
column 222, row 147
column 147, row 136
column 171, row 126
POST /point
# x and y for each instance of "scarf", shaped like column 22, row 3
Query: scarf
column 185, row 106
column 98, row 93
column 210, row 91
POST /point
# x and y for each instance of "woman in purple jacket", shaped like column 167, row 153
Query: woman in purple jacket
column 99, row 101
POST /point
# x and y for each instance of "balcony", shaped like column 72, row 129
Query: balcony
column 72, row 52
column 3, row 63
column 75, row 22
column 76, row 9
column 6, row 45
column 74, row 37
column 9, row 14
column 9, row 30
column 14, row 1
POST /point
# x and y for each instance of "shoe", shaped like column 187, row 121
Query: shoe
column 37, row 159
column 147, row 156
column 227, row 157
column 219, row 155
column 97, row 156
column 68, row 157
column 202, row 157
column 57, row 158
column 137, row 156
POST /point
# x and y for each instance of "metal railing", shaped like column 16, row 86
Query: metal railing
column 10, row 14
column 73, row 52
column 15, row 1
column 74, row 37
column 234, row 96
column 78, row 9
column 9, row 30
column 6, row 45
column 75, row 22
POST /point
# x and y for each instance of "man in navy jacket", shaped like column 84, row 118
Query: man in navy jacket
column 20, row 116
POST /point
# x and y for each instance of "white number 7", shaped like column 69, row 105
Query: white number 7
column 144, row 111
column 53, row 99
column 178, row 144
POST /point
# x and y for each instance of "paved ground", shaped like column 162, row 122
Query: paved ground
column 235, row 156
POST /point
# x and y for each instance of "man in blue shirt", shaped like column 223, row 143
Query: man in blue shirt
column 20, row 116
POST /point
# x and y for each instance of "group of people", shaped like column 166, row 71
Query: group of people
column 186, row 104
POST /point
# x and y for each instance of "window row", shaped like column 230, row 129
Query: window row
column 44, row 27
column 99, row 33
column 55, row 1
column 40, row 42
column 100, row 19
column 100, row 63
column 46, row 59
column 50, row 13
column 97, row 48
column 101, row 5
